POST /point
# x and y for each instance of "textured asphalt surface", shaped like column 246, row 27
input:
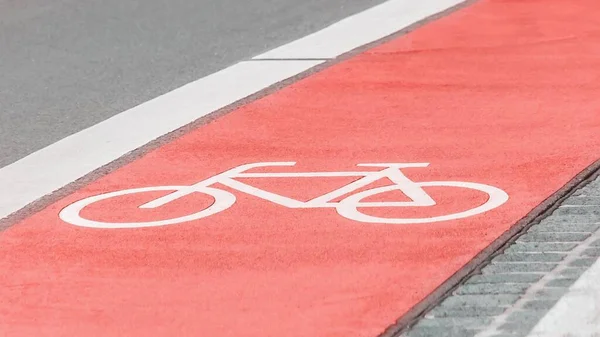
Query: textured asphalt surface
column 520, row 285
column 68, row 64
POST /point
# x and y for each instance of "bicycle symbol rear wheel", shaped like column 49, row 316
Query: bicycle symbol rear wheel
column 72, row 213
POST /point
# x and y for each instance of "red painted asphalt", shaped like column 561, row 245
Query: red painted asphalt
column 501, row 93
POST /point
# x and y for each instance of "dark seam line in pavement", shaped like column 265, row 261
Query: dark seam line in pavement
column 292, row 59
column 496, row 248
column 133, row 155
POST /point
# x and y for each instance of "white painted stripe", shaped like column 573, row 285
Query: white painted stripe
column 360, row 29
column 69, row 159
column 577, row 313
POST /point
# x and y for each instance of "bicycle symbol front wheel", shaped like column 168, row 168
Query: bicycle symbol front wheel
column 349, row 207
column 72, row 213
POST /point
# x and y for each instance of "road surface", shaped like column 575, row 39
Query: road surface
column 67, row 65
column 352, row 181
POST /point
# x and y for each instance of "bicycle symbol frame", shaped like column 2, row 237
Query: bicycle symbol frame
column 347, row 207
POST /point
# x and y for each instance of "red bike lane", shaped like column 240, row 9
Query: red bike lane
column 501, row 93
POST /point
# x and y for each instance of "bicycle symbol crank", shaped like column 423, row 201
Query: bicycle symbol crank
column 347, row 207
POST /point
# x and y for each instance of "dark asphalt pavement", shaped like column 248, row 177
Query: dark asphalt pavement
column 68, row 64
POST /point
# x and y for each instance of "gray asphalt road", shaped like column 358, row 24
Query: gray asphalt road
column 69, row 64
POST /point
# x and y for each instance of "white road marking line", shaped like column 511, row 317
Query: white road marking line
column 357, row 30
column 577, row 313
column 71, row 158
column 578, row 206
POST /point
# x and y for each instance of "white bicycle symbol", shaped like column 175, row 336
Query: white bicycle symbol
column 348, row 207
